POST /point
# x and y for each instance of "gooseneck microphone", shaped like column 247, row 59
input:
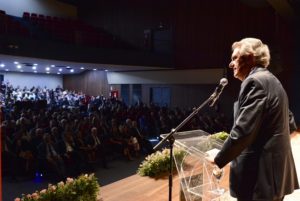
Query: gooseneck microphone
column 218, row 91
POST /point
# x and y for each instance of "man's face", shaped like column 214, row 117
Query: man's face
column 239, row 64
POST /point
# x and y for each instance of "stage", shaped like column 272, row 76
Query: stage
column 139, row 188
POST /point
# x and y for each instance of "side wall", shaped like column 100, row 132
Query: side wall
column 30, row 80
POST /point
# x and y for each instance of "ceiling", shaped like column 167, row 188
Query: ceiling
column 20, row 64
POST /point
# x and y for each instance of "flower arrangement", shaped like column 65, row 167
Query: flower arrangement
column 83, row 188
column 158, row 162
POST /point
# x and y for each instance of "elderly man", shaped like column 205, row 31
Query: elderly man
column 262, row 165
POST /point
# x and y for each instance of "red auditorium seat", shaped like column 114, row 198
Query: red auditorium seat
column 48, row 18
column 41, row 16
column 41, row 20
column 34, row 18
column 13, row 27
column 2, row 12
column 24, row 32
column 55, row 19
column 26, row 15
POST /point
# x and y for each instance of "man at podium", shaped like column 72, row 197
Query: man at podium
column 262, row 165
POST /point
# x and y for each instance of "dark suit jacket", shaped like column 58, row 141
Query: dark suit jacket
column 262, row 166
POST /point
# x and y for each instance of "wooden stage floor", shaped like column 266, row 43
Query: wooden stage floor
column 137, row 188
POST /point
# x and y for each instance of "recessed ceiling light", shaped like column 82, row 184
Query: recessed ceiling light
column 72, row 70
column 82, row 68
column 60, row 69
column 94, row 69
column 15, row 62
column 106, row 70
column 58, row 73
column 68, row 67
column 52, row 66
column 35, row 64
column 2, row 65
column 47, row 69
column 19, row 66
column 47, row 72
column 35, row 71
column 33, row 67
column 6, row 69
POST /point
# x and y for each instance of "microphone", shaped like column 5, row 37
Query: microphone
column 218, row 91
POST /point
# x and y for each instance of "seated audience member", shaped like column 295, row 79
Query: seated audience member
column 68, row 150
column 48, row 153
column 24, row 152
column 9, row 159
column 115, row 138
column 95, row 147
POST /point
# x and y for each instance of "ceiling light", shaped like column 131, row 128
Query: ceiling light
column 33, row 67
column 58, row 73
column 82, row 68
column 52, row 66
column 15, row 62
column 60, row 69
column 94, row 69
column 72, row 70
column 68, row 67
column 35, row 64
column 35, row 71
column 47, row 69
column 2, row 65
column 105, row 70
column 47, row 72
column 6, row 69
column 21, row 71
column 19, row 66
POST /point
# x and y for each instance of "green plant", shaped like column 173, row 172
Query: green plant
column 83, row 188
column 220, row 135
column 158, row 162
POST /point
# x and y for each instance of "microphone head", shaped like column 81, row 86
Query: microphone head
column 223, row 81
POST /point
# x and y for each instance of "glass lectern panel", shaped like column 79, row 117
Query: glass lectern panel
column 199, row 179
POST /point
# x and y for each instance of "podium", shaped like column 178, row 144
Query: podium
column 197, row 180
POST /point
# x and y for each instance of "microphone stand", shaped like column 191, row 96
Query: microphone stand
column 170, row 138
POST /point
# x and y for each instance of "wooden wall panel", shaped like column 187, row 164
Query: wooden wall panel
column 90, row 82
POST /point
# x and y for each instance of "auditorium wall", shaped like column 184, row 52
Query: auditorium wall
column 90, row 82
column 30, row 80
column 45, row 7
column 128, row 19
column 188, row 88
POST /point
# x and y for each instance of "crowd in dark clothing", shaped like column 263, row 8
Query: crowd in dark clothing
column 73, row 131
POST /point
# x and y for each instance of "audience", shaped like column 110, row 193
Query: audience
column 63, row 132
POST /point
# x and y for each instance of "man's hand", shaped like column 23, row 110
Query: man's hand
column 210, row 159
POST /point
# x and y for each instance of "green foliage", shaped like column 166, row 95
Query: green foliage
column 158, row 162
column 220, row 136
column 84, row 188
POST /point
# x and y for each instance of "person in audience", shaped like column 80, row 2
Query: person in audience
column 115, row 138
column 10, row 165
column 127, row 145
column 68, row 150
column 95, row 147
column 24, row 151
column 48, row 153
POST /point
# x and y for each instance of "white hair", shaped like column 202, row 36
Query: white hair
column 257, row 48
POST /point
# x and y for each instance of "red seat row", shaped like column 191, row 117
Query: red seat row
column 8, row 25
